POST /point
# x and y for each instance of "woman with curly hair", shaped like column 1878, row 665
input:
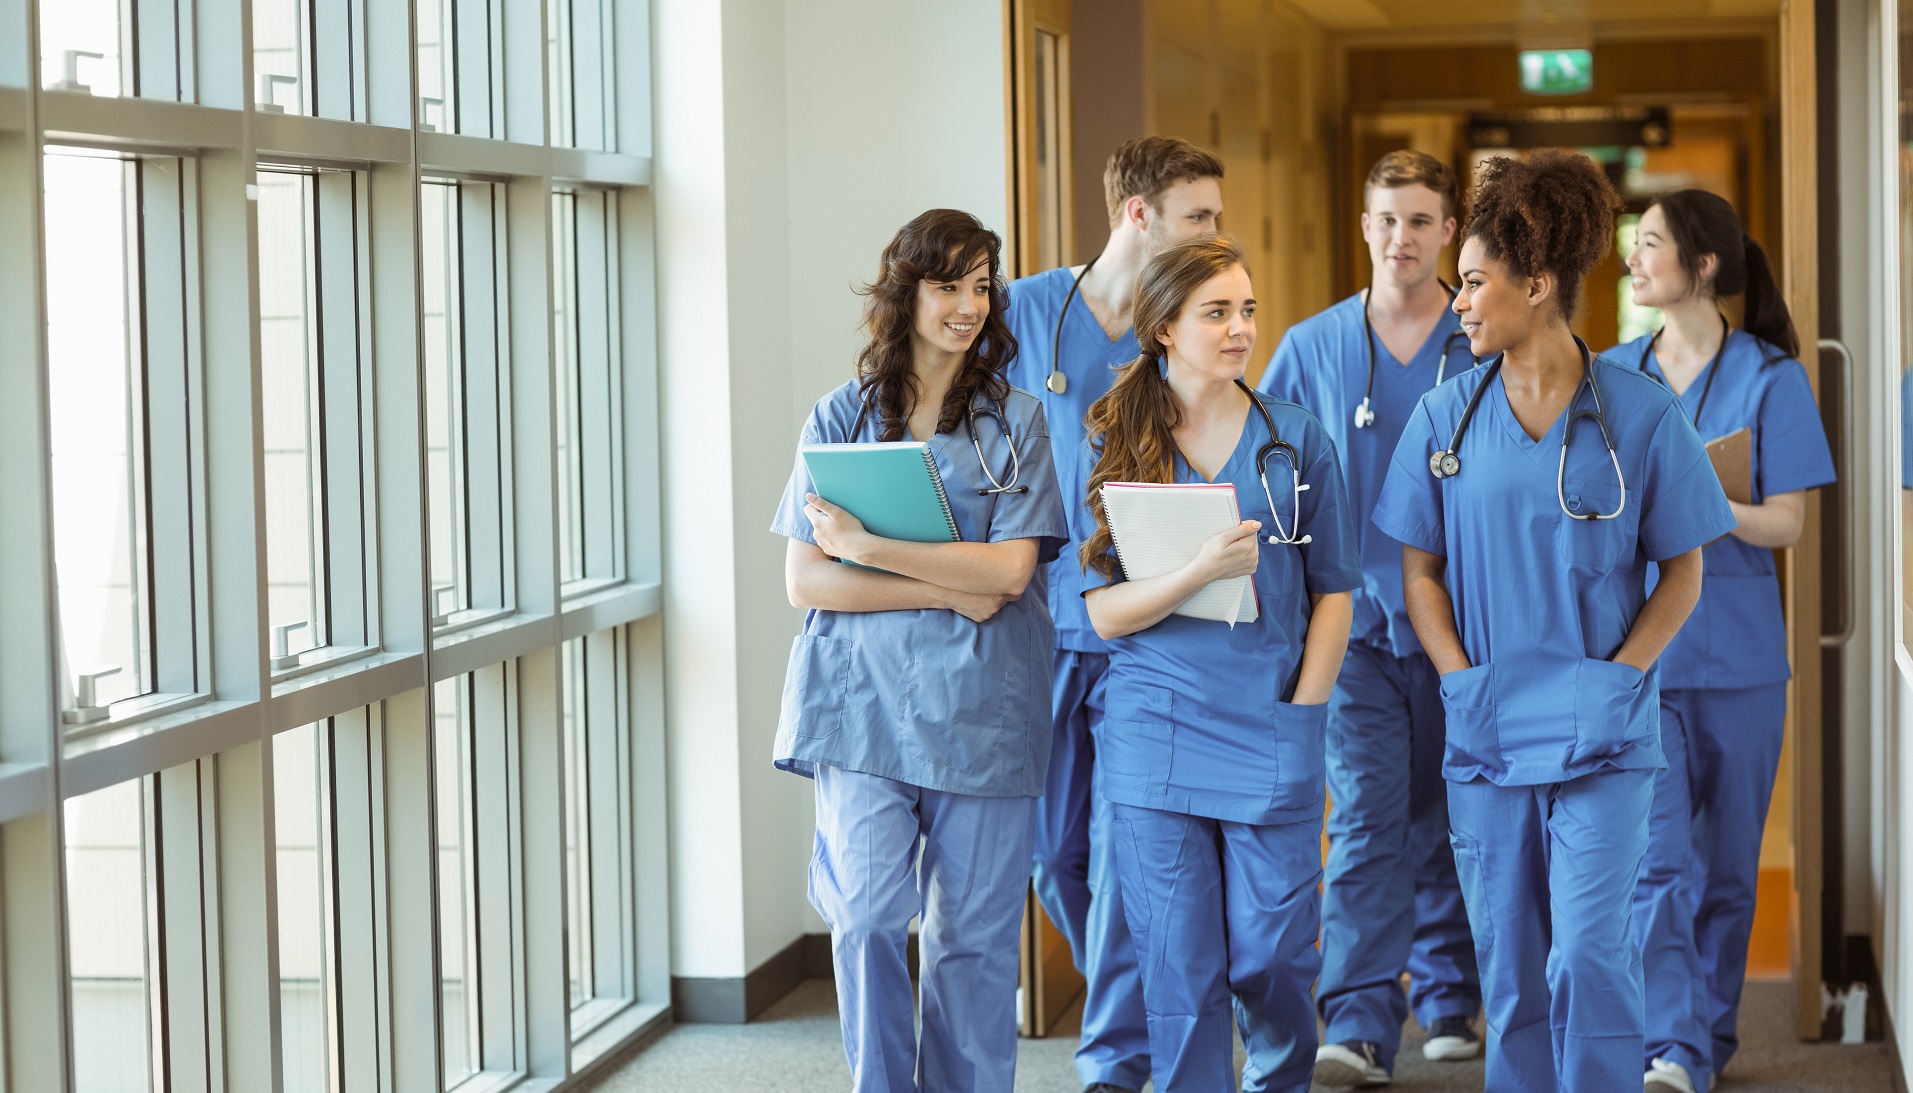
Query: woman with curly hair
column 1211, row 754
column 1530, row 496
column 918, row 693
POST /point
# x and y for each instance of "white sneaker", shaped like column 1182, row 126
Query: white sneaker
column 1354, row 1063
column 1451, row 1039
column 1665, row 1077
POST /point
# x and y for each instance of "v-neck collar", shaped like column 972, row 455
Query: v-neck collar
column 1510, row 424
column 1235, row 453
column 1367, row 327
column 1702, row 378
column 1086, row 318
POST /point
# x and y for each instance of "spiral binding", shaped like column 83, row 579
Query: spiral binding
column 936, row 479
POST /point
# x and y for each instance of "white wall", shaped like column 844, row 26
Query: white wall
column 793, row 138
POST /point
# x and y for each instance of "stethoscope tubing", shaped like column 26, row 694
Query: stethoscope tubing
column 1276, row 445
column 1364, row 413
column 995, row 409
column 1713, row 366
column 1056, row 381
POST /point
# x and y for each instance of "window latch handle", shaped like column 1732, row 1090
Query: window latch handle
column 425, row 104
column 440, row 613
column 282, row 654
column 268, row 81
column 87, row 707
column 71, row 79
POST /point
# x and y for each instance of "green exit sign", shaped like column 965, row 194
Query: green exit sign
column 1557, row 71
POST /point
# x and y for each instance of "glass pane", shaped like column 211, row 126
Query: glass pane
column 301, row 776
column 280, row 45
column 80, row 46
column 289, row 389
column 1906, row 325
column 457, row 863
column 1049, row 152
column 435, row 65
column 96, row 397
column 444, row 426
column 558, row 49
column 111, row 942
column 577, row 824
column 564, row 321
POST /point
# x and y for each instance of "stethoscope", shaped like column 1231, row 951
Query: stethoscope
column 1057, row 382
column 1277, row 446
column 1446, row 463
column 995, row 410
column 1713, row 366
column 1364, row 416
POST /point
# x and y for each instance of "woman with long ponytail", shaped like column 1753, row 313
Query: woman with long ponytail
column 1211, row 755
column 1724, row 677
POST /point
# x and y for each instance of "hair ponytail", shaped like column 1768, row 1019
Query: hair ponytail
column 1765, row 314
column 1133, row 427
column 1702, row 223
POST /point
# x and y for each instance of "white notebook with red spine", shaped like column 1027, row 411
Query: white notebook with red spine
column 1159, row 528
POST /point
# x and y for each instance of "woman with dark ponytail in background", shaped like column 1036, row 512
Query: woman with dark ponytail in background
column 1724, row 677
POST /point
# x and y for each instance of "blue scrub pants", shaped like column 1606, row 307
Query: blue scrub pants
column 1549, row 872
column 1221, row 909
column 1664, row 911
column 1075, row 877
column 1733, row 746
column 886, row 852
column 1391, row 901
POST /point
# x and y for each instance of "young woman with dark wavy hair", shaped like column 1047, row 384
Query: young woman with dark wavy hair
column 1212, row 741
column 1530, row 495
column 918, row 693
column 1724, row 676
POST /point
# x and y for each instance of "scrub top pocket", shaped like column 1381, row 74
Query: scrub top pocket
column 1301, row 762
column 1614, row 709
column 817, row 686
column 1468, row 698
column 1137, row 732
column 1598, row 545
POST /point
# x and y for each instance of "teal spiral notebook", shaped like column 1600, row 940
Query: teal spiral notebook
column 894, row 488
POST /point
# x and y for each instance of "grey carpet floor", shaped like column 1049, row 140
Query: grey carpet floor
column 794, row 1048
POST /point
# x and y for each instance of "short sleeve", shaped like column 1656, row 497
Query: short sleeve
column 1330, row 560
column 1682, row 504
column 1082, row 520
column 1037, row 514
column 1410, row 509
column 1793, row 444
column 790, row 521
column 1283, row 377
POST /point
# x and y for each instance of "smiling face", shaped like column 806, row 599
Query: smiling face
column 1215, row 330
column 1655, row 276
column 949, row 314
column 1405, row 227
column 1498, row 307
column 1187, row 209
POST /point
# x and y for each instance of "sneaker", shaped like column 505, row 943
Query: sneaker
column 1350, row 1063
column 1665, row 1077
column 1105, row 1087
column 1451, row 1039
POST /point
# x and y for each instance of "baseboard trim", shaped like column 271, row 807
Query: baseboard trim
column 735, row 1001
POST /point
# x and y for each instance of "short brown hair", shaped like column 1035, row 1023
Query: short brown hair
column 1405, row 167
column 1147, row 166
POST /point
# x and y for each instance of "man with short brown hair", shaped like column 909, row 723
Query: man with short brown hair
column 1072, row 328
column 1391, row 901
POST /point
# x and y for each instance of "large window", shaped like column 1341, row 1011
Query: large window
column 310, row 372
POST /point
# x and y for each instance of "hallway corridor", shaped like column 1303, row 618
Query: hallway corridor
column 794, row 1048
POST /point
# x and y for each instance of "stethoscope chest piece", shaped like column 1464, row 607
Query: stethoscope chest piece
column 1364, row 415
column 1057, row 382
column 1444, row 464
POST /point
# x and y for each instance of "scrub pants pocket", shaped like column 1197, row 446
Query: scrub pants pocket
column 1614, row 710
column 1468, row 698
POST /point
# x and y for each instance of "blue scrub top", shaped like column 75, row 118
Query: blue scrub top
column 1542, row 601
column 1321, row 365
column 1196, row 719
column 1906, row 430
column 927, row 696
column 1737, row 636
column 1089, row 360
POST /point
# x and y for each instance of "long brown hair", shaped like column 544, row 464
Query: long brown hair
column 939, row 245
column 1703, row 223
column 1133, row 427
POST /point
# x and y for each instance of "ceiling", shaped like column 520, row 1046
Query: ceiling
column 1529, row 15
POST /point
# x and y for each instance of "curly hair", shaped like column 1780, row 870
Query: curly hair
column 1133, row 427
column 1550, row 213
column 939, row 245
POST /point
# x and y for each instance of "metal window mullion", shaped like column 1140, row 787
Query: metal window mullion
column 335, row 65
column 478, row 397
column 184, row 903
column 410, row 877
column 496, row 911
column 638, row 370
column 630, row 83
column 596, row 406
column 346, row 428
column 650, row 860
column 392, row 299
column 356, row 862
column 529, row 476
column 608, row 815
column 160, row 50
column 318, row 445
column 545, row 1004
